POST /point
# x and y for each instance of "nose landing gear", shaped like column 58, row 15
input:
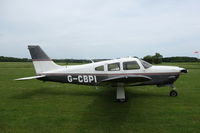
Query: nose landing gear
column 173, row 92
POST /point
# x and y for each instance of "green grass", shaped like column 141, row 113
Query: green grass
column 37, row 107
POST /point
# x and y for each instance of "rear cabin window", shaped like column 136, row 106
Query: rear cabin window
column 99, row 68
column 114, row 67
column 131, row 65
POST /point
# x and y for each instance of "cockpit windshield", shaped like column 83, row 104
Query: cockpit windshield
column 145, row 64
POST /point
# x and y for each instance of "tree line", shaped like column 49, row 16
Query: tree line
column 14, row 59
column 158, row 58
column 153, row 59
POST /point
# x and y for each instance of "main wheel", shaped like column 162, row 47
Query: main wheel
column 121, row 100
column 173, row 93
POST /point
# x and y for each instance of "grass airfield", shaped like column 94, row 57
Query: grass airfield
column 33, row 106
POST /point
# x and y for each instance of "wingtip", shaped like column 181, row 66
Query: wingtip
column 19, row 79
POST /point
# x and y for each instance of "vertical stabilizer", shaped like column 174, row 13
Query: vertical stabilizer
column 42, row 63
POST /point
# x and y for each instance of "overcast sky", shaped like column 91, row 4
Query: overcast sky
column 100, row 28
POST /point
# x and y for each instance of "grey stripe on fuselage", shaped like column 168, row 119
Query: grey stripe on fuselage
column 95, row 79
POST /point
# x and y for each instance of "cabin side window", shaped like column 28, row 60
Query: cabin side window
column 114, row 67
column 99, row 68
column 131, row 65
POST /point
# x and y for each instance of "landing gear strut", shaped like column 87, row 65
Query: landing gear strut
column 120, row 97
column 173, row 92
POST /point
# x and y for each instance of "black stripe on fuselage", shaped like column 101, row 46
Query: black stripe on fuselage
column 95, row 79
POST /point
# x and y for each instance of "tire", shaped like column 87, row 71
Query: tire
column 173, row 93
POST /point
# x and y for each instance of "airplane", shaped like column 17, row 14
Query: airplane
column 119, row 73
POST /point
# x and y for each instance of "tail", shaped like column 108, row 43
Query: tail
column 42, row 63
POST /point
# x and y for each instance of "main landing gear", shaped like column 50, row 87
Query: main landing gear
column 120, row 97
column 173, row 92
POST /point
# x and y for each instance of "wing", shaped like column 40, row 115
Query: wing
column 133, row 79
column 33, row 77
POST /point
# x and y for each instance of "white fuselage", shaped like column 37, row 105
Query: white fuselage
column 88, row 73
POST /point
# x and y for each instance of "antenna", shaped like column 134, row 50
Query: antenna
column 91, row 60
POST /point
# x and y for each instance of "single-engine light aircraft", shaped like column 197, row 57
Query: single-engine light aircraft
column 117, row 73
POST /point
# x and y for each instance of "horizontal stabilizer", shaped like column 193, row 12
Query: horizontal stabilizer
column 29, row 78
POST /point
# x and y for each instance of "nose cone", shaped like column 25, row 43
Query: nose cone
column 183, row 70
column 180, row 70
column 167, row 69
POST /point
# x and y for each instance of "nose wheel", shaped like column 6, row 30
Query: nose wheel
column 173, row 92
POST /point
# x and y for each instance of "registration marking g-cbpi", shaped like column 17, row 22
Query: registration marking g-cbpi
column 82, row 78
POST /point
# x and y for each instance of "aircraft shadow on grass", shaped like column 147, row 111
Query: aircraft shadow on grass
column 102, row 113
column 49, row 91
column 73, row 92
